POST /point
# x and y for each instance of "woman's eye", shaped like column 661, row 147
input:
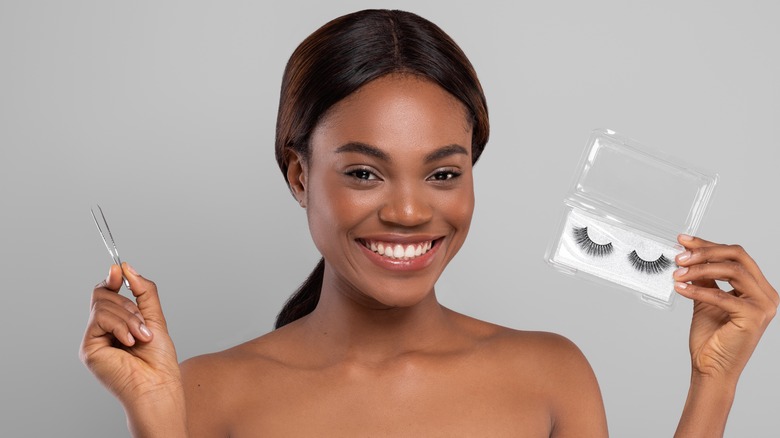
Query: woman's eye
column 444, row 175
column 363, row 174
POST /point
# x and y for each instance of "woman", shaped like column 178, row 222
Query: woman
column 381, row 119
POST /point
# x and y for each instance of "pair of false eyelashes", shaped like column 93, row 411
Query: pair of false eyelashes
column 602, row 250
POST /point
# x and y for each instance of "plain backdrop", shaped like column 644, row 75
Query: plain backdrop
column 164, row 113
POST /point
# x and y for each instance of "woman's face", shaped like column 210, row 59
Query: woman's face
column 388, row 189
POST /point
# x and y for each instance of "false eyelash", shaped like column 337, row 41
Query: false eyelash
column 650, row 267
column 590, row 247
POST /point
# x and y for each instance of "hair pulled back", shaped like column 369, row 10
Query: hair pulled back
column 342, row 56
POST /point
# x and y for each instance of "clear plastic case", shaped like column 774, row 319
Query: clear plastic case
column 623, row 214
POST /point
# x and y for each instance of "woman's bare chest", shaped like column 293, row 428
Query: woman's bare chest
column 409, row 400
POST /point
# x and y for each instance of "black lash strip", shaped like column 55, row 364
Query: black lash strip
column 650, row 267
column 589, row 246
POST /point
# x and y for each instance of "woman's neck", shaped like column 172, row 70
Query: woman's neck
column 348, row 325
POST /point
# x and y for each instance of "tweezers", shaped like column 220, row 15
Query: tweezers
column 102, row 226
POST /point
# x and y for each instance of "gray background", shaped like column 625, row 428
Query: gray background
column 164, row 113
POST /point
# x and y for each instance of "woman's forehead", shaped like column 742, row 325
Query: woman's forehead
column 393, row 110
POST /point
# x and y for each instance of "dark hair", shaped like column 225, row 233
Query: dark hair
column 342, row 56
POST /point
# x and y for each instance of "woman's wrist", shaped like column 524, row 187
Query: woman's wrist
column 707, row 406
column 158, row 415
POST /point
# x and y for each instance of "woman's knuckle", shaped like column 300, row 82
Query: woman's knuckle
column 736, row 269
column 771, row 312
column 762, row 319
column 103, row 295
column 737, row 248
column 84, row 357
column 96, row 295
column 100, row 313
column 98, row 305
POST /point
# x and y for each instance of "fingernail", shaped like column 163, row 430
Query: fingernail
column 130, row 339
column 683, row 256
column 130, row 269
column 680, row 285
column 686, row 237
column 680, row 272
column 145, row 330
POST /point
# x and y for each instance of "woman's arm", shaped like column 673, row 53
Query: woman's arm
column 127, row 347
column 706, row 408
column 725, row 328
column 577, row 408
column 159, row 416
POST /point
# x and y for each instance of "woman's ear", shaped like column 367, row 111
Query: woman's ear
column 297, row 174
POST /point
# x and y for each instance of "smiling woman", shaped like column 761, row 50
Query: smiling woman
column 340, row 58
column 381, row 119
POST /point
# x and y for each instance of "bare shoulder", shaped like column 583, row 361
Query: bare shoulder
column 208, row 365
column 547, row 357
column 215, row 383
column 549, row 366
column 530, row 347
column 216, row 371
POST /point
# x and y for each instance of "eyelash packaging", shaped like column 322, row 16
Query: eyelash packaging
column 623, row 214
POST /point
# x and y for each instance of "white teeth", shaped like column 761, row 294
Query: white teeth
column 398, row 251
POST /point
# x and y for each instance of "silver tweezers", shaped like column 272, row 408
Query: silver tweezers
column 102, row 225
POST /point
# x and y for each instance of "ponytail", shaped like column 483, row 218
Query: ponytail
column 305, row 299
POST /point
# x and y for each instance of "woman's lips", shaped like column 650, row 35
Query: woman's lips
column 400, row 256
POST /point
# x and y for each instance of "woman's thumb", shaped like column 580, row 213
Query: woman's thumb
column 145, row 293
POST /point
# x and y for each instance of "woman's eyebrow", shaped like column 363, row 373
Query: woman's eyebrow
column 446, row 151
column 365, row 149
column 373, row 151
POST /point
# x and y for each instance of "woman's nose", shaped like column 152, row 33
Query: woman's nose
column 407, row 207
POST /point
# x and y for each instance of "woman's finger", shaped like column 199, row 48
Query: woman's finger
column 706, row 282
column 714, row 254
column 112, row 282
column 132, row 318
column 715, row 297
column 720, row 253
column 105, row 322
column 135, row 324
column 101, row 294
column 734, row 273
column 701, row 251
column 691, row 242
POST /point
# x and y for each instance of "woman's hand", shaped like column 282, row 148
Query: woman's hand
column 725, row 329
column 127, row 347
column 727, row 325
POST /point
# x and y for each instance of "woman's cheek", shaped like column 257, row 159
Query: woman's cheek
column 458, row 206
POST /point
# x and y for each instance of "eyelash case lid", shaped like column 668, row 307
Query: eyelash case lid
column 638, row 200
